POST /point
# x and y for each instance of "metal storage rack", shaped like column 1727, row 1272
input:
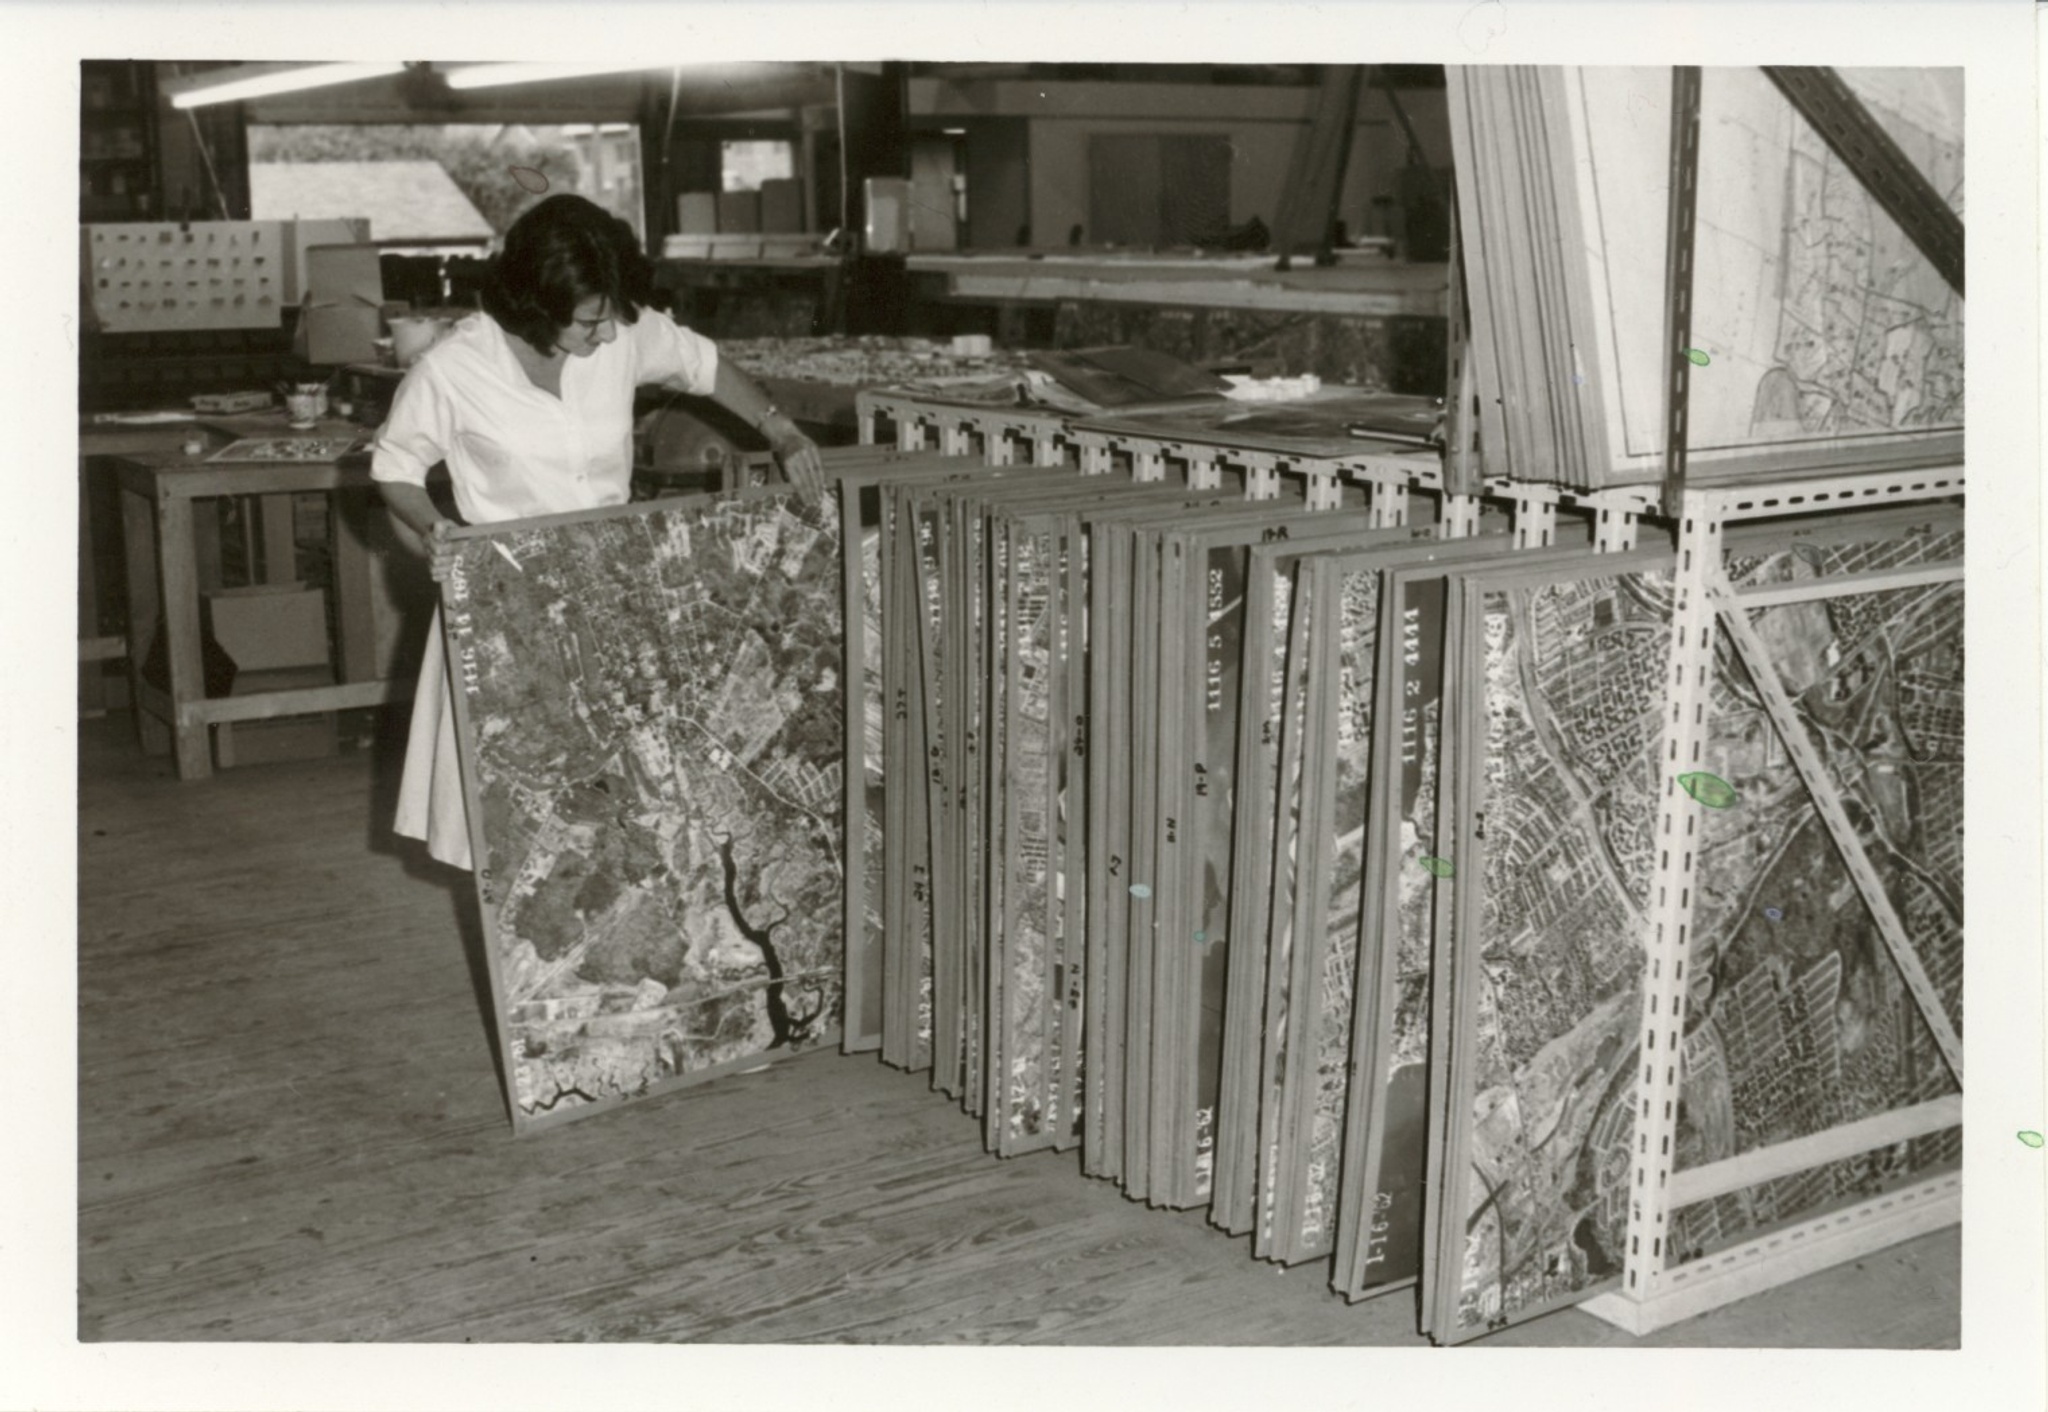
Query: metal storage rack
column 1005, row 436
column 1001, row 436
column 1658, row 1286
column 1657, row 1290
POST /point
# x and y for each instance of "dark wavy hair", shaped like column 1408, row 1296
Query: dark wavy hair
column 558, row 254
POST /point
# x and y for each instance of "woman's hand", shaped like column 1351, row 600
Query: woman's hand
column 442, row 551
column 798, row 456
column 415, row 511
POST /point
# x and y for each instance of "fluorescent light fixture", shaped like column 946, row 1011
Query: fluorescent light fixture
column 263, row 80
column 953, row 131
column 498, row 75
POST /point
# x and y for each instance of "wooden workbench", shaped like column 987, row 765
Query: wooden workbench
column 106, row 437
column 159, row 492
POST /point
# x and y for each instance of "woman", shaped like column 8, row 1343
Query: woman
column 530, row 403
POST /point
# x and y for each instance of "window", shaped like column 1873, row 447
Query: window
column 444, row 187
column 743, row 166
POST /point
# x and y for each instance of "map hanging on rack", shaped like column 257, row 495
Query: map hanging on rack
column 1819, row 333
column 1816, row 315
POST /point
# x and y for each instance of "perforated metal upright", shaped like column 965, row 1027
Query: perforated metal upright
column 1656, row 1289
column 1262, row 478
column 1004, row 432
column 1534, row 525
column 1205, row 463
column 1389, row 477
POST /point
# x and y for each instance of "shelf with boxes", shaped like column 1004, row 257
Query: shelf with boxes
column 118, row 177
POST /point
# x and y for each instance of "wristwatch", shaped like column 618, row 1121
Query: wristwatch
column 772, row 412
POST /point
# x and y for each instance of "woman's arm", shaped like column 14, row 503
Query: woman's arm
column 414, row 436
column 670, row 355
column 794, row 452
column 412, row 507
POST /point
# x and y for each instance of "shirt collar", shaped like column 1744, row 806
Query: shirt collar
column 498, row 340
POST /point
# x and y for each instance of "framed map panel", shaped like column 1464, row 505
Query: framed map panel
column 649, row 707
column 1203, row 597
column 1798, row 1020
column 861, row 531
column 862, row 482
column 1374, row 727
column 1268, row 593
column 1563, row 673
column 907, row 899
column 1823, row 322
column 1334, row 941
column 1406, row 892
column 1821, row 336
column 1138, row 881
column 1108, row 784
column 1291, row 802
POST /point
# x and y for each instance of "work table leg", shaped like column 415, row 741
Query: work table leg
column 355, row 623
column 138, row 542
column 175, row 555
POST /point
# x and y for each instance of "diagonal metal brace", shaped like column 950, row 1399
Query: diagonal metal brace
column 1879, row 163
column 1734, row 617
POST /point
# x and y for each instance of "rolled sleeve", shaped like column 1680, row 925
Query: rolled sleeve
column 667, row 353
column 416, row 435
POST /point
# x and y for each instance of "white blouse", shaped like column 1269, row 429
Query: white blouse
column 515, row 451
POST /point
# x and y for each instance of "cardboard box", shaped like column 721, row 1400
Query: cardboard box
column 332, row 337
column 265, row 627
column 344, row 273
column 299, row 236
column 782, row 206
column 268, row 742
column 308, row 737
column 739, row 213
column 697, row 213
column 341, row 316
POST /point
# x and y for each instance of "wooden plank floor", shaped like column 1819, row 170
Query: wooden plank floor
column 291, row 1128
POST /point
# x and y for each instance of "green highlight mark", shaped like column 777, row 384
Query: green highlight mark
column 1710, row 790
column 2031, row 1138
column 1698, row 357
column 1438, row 867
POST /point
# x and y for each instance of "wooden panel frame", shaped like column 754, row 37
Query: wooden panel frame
column 463, row 675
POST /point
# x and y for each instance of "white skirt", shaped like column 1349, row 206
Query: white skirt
column 431, row 804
